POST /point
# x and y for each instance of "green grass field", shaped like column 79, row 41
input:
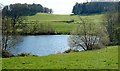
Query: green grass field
column 62, row 27
column 106, row 58
column 54, row 17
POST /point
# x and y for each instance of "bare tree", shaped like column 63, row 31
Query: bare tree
column 8, row 39
column 111, row 22
column 88, row 36
column 113, row 25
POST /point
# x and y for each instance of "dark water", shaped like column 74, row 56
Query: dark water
column 42, row 45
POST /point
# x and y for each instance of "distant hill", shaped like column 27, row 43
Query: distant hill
column 59, row 22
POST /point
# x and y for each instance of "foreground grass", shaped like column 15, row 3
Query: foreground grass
column 106, row 58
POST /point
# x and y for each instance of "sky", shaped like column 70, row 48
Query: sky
column 58, row 6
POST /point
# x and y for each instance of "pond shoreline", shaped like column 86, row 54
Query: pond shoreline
column 43, row 33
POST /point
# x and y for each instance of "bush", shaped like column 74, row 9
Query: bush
column 70, row 21
column 97, row 46
column 24, row 54
column 37, row 28
column 6, row 54
column 70, row 50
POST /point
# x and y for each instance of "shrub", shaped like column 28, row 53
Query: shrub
column 24, row 54
column 70, row 21
column 6, row 54
column 70, row 50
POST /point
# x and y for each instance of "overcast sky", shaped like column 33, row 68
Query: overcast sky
column 58, row 6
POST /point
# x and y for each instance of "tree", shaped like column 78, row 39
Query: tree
column 118, row 25
column 88, row 36
column 8, row 39
column 75, row 8
column 10, row 36
column 46, row 10
column 112, row 22
column 51, row 11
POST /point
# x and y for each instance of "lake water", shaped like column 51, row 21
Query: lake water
column 42, row 45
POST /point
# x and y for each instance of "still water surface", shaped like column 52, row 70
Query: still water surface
column 42, row 45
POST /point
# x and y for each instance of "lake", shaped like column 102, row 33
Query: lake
column 42, row 45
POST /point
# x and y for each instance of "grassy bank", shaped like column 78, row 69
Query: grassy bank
column 106, row 58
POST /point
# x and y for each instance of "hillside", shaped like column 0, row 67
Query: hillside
column 60, row 23
column 57, row 17
column 106, row 58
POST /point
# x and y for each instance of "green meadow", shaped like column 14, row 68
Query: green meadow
column 57, row 22
column 106, row 58
column 55, row 17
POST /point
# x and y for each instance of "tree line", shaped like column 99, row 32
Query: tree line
column 93, row 7
column 19, row 9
